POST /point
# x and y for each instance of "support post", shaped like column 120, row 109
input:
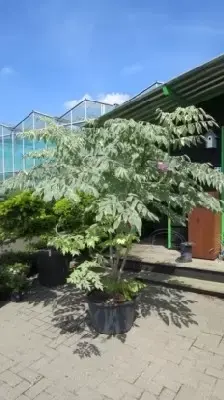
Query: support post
column 222, row 169
column 169, row 244
column 169, row 227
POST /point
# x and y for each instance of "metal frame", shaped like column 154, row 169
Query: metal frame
column 200, row 83
column 20, row 127
column 222, row 169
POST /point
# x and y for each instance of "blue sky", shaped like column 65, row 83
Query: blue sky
column 54, row 52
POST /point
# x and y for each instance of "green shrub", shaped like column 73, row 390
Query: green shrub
column 75, row 216
column 25, row 215
column 13, row 277
column 12, row 257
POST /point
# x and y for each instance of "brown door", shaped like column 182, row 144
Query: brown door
column 204, row 229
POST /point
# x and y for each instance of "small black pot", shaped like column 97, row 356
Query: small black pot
column 17, row 296
column 185, row 252
column 111, row 319
column 5, row 295
column 53, row 267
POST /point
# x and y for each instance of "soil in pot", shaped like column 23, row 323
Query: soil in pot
column 53, row 267
column 109, row 316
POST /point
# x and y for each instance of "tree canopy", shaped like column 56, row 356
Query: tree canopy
column 127, row 166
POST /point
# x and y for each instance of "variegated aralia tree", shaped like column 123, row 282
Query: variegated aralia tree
column 120, row 164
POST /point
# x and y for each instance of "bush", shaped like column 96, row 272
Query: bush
column 25, row 215
column 75, row 216
column 13, row 277
column 12, row 257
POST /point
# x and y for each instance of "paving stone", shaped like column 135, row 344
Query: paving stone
column 148, row 396
column 87, row 394
column 207, row 341
column 16, row 391
column 129, row 372
column 186, row 393
column 150, row 386
column 219, row 389
column 56, row 342
column 44, row 396
column 30, row 375
column 176, row 349
column 36, row 389
column 126, row 397
column 116, row 389
column 10, row 378
column 167, row 394
column 37, row 365
column 217, row 373
column 37, row 322
column 202, row 392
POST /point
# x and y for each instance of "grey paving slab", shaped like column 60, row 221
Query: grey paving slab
column 175, row 350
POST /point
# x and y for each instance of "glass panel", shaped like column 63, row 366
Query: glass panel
column 6, row 147
column 93, row 110
column 18, row 152
column 39, row 121
column 28, row 145
column 65, row 119
column 78, row 113
column 109, row 107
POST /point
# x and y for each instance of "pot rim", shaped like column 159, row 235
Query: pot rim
column 102, row 304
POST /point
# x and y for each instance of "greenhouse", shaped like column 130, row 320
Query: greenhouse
column 13, row 148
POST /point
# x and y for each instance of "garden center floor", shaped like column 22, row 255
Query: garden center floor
column 175, row 350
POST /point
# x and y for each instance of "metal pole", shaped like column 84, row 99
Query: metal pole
column 45, row 127
column 33, row 127
column 169, row 226
column 13, row 152
column 222, row 169
column 24, row 161
column 3, row 157
column 85, row 111
column 169, row 239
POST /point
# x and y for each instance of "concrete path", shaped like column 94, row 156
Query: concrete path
column 174, row 351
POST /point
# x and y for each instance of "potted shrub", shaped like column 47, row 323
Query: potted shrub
column 111, row 298
column 24, row 216
column 5, row 291
column 17, row 282
column 72, row 219
column 14, row 281
column 131, row 170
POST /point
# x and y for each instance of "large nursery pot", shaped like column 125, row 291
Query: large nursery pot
column 53, row 267
column 110, row 318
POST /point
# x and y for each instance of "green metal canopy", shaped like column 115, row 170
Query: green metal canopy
column 197, row 85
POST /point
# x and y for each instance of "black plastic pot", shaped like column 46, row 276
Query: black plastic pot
column 111, row 319
column 17, row 296
column 5, row 295
column 185, row 252
column 53, row 267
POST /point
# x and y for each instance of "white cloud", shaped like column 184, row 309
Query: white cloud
column 132, row 69
column 114, row 98
column 72, row 103
column 110, row 98
column 6, row 71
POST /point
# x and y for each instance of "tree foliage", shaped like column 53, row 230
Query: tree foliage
column 118, row 164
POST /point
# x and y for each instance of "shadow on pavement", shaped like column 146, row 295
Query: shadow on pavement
column 70, row 315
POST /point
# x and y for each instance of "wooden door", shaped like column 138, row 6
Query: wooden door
column 204, row 230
